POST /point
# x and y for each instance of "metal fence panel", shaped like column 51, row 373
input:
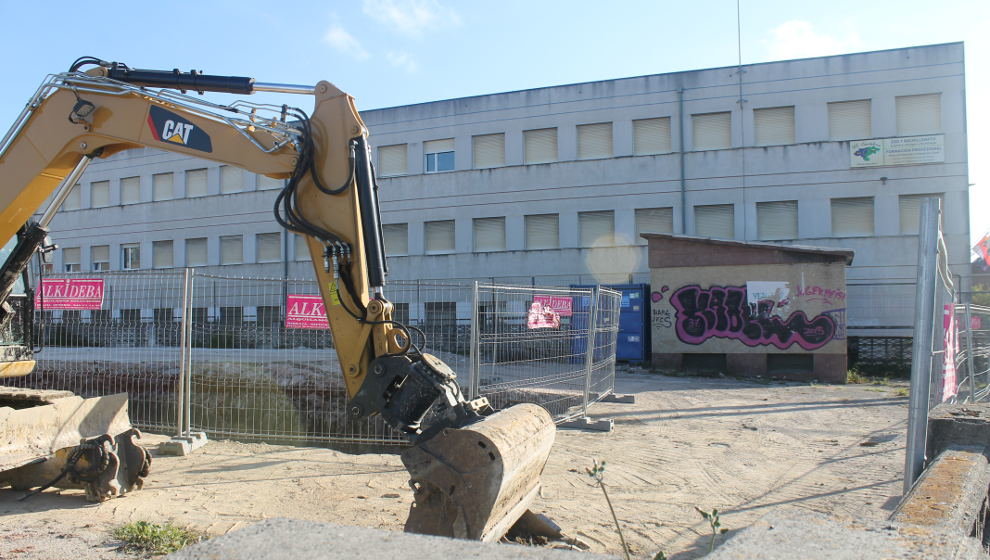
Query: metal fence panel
column 602, row 375
column 972, row 358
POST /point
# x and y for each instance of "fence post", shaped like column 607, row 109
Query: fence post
column 475, row 355
column 188, row 345
column 180, row 386
column 970, row 371
column 921, row 348
column 589, row 358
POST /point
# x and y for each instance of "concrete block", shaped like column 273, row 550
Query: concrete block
column 585, row 423
column 958, row 425
column 950, row 494
column 182, row 445
column 621, row 399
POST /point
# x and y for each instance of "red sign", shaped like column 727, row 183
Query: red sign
column 542, row 317
column 306, row 312
column 70, row 293
column 561, row 305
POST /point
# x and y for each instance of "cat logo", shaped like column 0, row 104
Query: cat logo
column 169, row 127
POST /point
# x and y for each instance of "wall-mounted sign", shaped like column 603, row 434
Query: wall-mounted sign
column 70, row 293
column 305, row 312
column 907, row 150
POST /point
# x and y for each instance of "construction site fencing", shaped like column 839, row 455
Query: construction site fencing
column 242, row 358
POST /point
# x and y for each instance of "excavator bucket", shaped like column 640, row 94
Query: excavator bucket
column 474, row 482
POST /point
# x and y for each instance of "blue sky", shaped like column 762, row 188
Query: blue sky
column 396, row 52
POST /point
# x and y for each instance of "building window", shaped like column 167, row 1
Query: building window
column 268, row 247
column 777, row 219
column 543, row 231
column 910, row 206
column 651, row 136
column 130, row 315
column 99, row 255
column 232, row 315
column 231, row 249
column 441, row 314
column 162, row 186
column 99, row 194
column 163, row 316
column 396, row 239
column 717, row 221
column 439, row 155
column 852, row 216
column 400, row 313
column 264, row 182
column 130, row 256
column 774, row 125
column 712, row 131
column 196, row 252
column 541, row 145
column 489, row 150
column 489, row 234
column 849, row 120
column 594, row 140
column 130, row 190
column 653, row 220
column 70, row 259
column 231, row 179
column 393, row 160
column 74, row 200
column 196, row 183
column 300, row 247
column 439, row 236
column 101, row 317
column 269, row 315
column 162, row 254
column 919, row 114
column 597, row 228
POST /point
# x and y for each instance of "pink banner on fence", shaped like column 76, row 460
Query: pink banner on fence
column 306, row 312
column 951, row 346
column 542, row 317
column 560, row 304
column 70, row 293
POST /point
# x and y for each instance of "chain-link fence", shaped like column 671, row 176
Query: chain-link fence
column 229, row 356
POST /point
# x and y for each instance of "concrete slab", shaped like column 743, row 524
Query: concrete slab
column 585, row 423
column 290, row 539
column 181, row 446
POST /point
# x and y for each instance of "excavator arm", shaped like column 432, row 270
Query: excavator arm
column 474, row 471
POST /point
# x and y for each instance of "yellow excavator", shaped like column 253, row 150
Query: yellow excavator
column 474, row 471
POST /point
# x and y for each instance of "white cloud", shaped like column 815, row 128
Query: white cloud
column 402, row 60
column 338, row 38
column 798, row 39
column 411, row 17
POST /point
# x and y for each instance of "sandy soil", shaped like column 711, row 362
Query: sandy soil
column 742, row 447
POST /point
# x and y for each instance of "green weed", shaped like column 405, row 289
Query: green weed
column 142, row 536
column 714, row 522
column 597, row 473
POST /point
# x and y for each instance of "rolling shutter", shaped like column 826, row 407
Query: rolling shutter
column 712, row 131
column 541, row 145
column 268, row 247
column 774, row 125
column 653, row 220
column 597, row 228
column 489, row 150
column 396, row 239
column 71, row 259
column 438, row 146
column 439, row 236
column 130, row 190
column 196, row 182
column 99, row 194
column 100, row 255
column 393, row 160
column 715, row 220
column 910, row 206
column 231, row 179
column 919, row 114
column 594, row 140
column 651, row 136
column 161, row 254
column 231, row 249
column 852, row 216
column 543, row 231
column 777, row 220
column 196, row 252
column 162, row 186
column 266, row 182
column 489, row 234
column 73, row 201
column 300, row 247
column 849, row 120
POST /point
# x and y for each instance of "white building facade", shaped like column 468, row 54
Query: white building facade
column 553, row 186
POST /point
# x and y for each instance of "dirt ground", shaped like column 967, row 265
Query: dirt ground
column 745, row 448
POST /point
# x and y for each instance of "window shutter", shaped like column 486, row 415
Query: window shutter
column 597, row 228
column 231, row 179
column 196, row 252
column 712, row 131
column 777, row 220
column 849, row 120
column 440, row 236
column 71, row 259
column 161, row 186
column 910, row 206
column 161, row 254
column 594, row 140
column 100, row 253
column 715, row 220
column 651, row 136
column 231, row 249
column 653, row 220
column 268, row 247
column 99, row 194
column 130, row 190
column 852, row 216
column 489, row 150
column 541, row 145
column 489, row 234
column 438, row 146
column 301, row 248
column 393, row 160
column 396, row 239
column 73, row 201
column 774, row 125
column 266, row 182
column 919, row 114
column 543, row 231
column 196, row 182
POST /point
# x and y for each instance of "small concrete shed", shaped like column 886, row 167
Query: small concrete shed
column 748, row 308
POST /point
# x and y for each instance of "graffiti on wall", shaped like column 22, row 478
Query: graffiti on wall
column 726, row 312
column 661, row 318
